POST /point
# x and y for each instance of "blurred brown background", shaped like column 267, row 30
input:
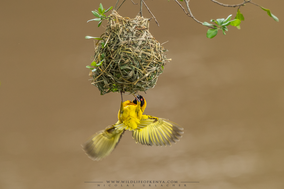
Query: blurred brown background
column 226, row 92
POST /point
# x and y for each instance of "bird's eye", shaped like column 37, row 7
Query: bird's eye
column 140, row 98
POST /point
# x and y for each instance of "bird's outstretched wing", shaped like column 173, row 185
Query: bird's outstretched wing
column 156, row 131
column 103, row 143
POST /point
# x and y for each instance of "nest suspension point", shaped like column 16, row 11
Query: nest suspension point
column 128, row 57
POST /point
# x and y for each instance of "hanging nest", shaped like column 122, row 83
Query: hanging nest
column 127, row 58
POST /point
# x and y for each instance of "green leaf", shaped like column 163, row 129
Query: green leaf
column 102, row 44
column 270, row 14
column 101, row 9
column 94, row 70
column 228, row 18
column 211, row 33
column 99, row 24
column 207, row 24
column 93, row 63
column 96, row 14
column 90, row 37
column 239, row 15
column 224, row 28
column 108, row 9
column 100, row 62
column 94, row 19
column 220, row 21
column 212, row 20
column 236, row 23
column 226, row 23
column 91, row 68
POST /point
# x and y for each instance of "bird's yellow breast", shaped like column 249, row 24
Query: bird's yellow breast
column 130, row 115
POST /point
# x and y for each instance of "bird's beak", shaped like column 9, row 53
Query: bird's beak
column 135, row 96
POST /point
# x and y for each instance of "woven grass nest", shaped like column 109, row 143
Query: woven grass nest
column 128, row 58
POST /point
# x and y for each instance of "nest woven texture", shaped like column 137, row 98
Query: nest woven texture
column 131, row 58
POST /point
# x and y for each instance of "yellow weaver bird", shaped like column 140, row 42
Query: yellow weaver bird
column 146, row 130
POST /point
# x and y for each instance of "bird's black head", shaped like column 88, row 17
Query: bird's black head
column 141, row 99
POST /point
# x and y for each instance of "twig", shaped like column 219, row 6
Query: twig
column 116, row 4
column 151, row 14
column 189, row 13
column 164, row 43
column 133, row 2
column 182, row 8
column 188, row 9
column 141, row 5
column 227, row 5
column 254, row 4
column 120, row 5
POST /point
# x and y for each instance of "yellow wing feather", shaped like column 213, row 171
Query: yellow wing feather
column 156, row 131
column 103, row 143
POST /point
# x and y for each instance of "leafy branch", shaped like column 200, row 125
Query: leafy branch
column 223, row 23
column 100, row 14
column 94, row 64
